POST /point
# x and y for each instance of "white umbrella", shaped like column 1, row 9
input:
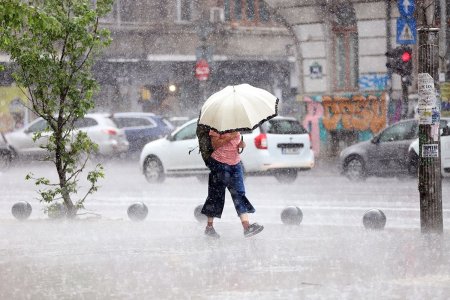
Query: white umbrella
column 238, row 107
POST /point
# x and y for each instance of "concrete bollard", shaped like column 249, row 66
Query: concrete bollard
column 374, row 219
column 137, row 211
column 198, row 214
column 292, row 215
column 21, row 210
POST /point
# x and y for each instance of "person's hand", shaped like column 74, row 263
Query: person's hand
column 242, row 144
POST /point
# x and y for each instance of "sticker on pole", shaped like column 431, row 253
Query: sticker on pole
column 430, row 150
column 427, row 102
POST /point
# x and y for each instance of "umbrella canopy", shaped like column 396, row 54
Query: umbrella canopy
column 238, row 107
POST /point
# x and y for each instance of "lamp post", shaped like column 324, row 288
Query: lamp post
column 203, row 54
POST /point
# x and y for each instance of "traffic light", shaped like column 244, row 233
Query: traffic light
column 400, row 61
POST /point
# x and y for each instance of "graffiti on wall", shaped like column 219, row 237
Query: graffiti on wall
column 357, row 112
column 312, row 121
column 373, row 82
column 360, row 113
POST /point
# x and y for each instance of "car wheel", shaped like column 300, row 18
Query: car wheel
column 286, row 176
column 153, row 170
column 5, row 160
column 413, row 164
column 355, row 169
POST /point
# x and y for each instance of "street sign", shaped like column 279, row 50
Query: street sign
column 406, row 31
column 202, row 70
column 406, row 7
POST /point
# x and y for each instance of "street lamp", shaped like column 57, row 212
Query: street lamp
column 172, row 88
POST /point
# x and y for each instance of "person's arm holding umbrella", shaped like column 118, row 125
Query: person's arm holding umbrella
column 219, row 141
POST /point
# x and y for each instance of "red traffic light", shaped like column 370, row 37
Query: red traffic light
column 406, row 56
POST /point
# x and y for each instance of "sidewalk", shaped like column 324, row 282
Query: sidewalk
column 117, row 259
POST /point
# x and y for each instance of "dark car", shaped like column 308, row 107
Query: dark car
column 385, row 154
column 5, row 153
column 141, row 128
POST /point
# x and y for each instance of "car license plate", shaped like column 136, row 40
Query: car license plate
column 290, row 150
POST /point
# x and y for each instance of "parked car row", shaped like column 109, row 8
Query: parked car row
column 394, row 151
column 115, row 134
column 99, row 127
column 279, row 147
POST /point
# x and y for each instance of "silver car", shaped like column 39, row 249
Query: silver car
column 99, row 127
column 385, row 154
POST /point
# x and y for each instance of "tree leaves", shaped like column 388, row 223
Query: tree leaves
column 52, row 44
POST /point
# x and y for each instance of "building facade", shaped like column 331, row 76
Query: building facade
column 346, row 92
column 324, row 59
column 151, row 63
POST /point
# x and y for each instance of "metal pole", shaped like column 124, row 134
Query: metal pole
column 443, row 37
column 405, row 104
column 389, row 44
column 430, row 181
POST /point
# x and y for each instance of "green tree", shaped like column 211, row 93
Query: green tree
column 52, row 44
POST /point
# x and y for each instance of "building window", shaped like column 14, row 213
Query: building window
column 246, row 11
column 139, row 11
column 184, row 10
column 345, row 59
column 345, row 48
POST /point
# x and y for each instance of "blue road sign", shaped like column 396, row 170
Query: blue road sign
column 406, row 31
column 406, row 7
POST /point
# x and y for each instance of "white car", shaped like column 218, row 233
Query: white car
column 279, row 147
column 413, row 157
column 99, row 127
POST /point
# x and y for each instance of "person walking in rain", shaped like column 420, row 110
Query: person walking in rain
column 226, row 172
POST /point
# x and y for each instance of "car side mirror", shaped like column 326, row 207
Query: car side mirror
column 170, row 137
column 375, row 139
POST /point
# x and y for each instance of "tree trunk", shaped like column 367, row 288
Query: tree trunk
column 71, row 209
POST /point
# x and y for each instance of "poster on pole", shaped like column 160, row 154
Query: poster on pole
column 430, row 150
column 427, row 107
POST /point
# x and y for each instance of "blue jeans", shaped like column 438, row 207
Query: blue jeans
column 224, row 176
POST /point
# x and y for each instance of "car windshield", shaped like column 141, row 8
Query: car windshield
column 283, row 127
column 187, row 133
column 400, row 131
column 40, row 125
column 126, row 122
column 84, row 122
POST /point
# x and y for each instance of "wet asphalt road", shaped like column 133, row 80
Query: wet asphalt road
column 329, row 256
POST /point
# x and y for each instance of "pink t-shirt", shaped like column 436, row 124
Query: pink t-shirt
column 228, row 153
